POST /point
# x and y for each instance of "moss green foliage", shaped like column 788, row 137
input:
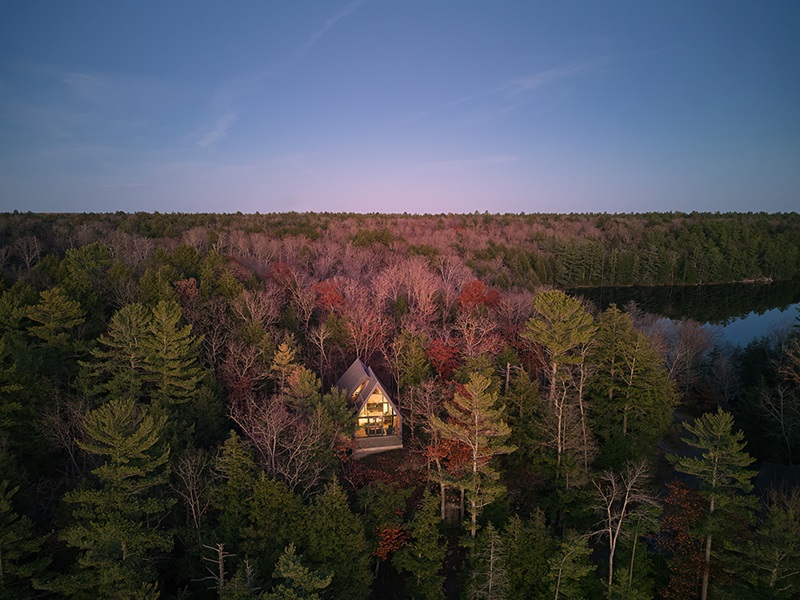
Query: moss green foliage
column 116, row 519
column 335, row 542
column 632, row 396
column 299, row 583
column 725, row 480
column 475, row 421
column 20, row 559
column 422, row 558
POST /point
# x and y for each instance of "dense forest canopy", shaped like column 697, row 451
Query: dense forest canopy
column 169, row 425
column 504, row 250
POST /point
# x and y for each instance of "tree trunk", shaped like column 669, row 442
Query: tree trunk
column 442, row 490
column 704, row 592
column 611, row 551
column 473, row 517
column 707, row 561
column 633, row 557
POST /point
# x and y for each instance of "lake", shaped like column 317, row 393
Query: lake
column 742, row 311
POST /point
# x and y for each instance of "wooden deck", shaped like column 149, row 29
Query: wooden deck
column 378, row 443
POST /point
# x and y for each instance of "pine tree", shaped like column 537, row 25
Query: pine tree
column 55, row 318
column 283, row 364
column 488, row 579
column 10, row 405
column 147, row 356
column 561, row 327
column 56, row 331
column 274, row 519
column 570, row 567
column 335, row 543
column 723, row 475
column 118, row 365
column 237, row 474
column 300, row 583
column 20, row 561
column 473, row 420
column 632, row 396
column 171, row 357
column 766, row 564
column 115, row 522
column 528, row 545
column 422, row 559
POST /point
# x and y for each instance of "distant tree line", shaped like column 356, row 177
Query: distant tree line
column 505, row 250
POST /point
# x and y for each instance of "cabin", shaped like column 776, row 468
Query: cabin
column 378, row 422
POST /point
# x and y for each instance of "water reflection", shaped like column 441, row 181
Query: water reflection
column 717, row 304
column 743, row 310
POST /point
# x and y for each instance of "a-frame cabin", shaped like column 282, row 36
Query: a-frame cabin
column 378, row 424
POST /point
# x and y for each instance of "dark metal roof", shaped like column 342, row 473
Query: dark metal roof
column 357, row 375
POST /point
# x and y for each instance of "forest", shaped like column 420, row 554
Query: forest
column 170, row 427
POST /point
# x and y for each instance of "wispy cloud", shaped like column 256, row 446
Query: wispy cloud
column 509, row 95
column 327, row 26
column 227, row 95
column 219, row 131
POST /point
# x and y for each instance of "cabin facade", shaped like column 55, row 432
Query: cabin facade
column 378, row 424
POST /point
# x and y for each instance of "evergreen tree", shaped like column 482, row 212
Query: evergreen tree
column 408, row 360
column 237, row 475
column 283, row 364
column 632, row 395
column 171, row 357
column 562, row 326
column 723, row 475
column 474, row 421
column 303, row 390
column 570, row 567
column 422, row 558
column 56, row 318
column 146, row 355
column 20, row 561
column 56, row 332
column 300, row 583
column 528, row 544
column 766, row 564
column 10, row 406
column 118, row 366
column 83, row 274
column 488, row 579
column 274, row 519
column 335, row 543
column 116, row 520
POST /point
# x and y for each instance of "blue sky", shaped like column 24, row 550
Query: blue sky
column 395, row 106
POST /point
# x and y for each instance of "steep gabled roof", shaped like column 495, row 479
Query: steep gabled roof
column 361, row 380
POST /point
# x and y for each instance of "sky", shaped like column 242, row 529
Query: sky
column 419, row 106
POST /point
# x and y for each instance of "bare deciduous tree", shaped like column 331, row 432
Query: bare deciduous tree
column 260, row 306
column 28, row 249
column 197, row 238
column 618, row 495
column 781, row 406
column 192, row 472
column 477, row 333
column 288, row 444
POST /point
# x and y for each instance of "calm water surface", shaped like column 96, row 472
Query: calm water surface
column 742, row 311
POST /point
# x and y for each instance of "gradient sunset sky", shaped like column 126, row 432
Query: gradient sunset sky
column 400, row 106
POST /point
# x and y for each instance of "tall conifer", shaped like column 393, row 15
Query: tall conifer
column 725, row 480
column 116, row 519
